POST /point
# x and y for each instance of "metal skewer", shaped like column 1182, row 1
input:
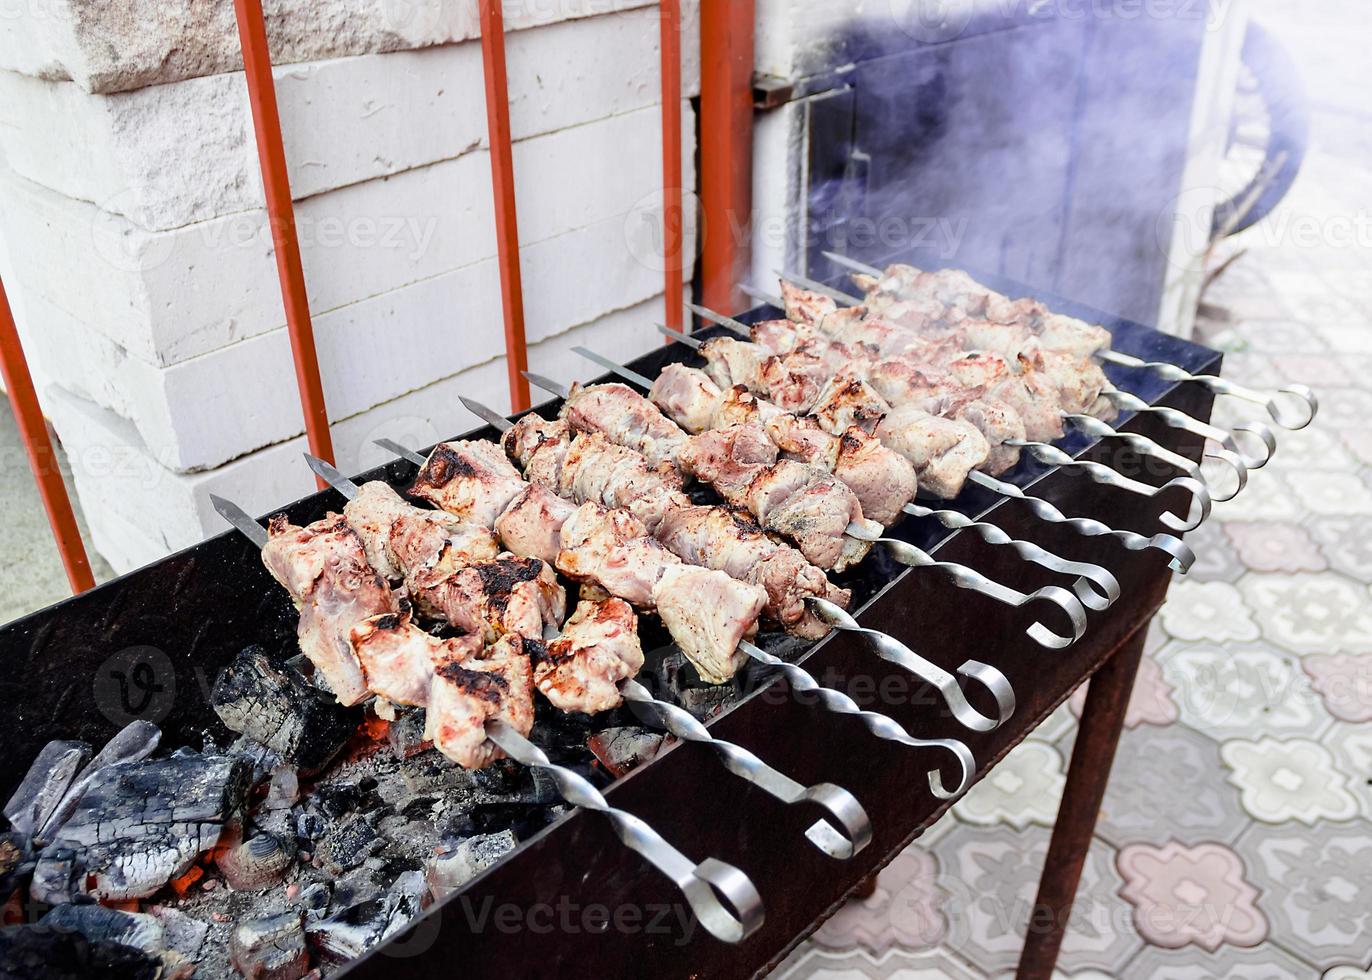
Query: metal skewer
column 1086, row 575
column 845, row 830
column 963, row 576
column 1295, row 410
column 722, row 897
column 1253, row 459
column 997, row 685
column 1179, row 554
column 1199, row 508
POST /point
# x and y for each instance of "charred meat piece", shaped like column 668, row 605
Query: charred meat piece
column 324, row 567
column 539, row 446
column 793, row 381
column 581, row 669
column 400, row 659
column 493, row 598
column 627, row 419
column 942, row 450
column 532, row 523
column 804, row 305
column 467, row 694
column 733, row 543
column 471, row 479
column 847, row 400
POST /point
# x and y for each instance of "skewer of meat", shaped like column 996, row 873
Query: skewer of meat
column 1295, row 410
column 1180, row 557
column 879, row 725
column 897, row 396
column 880, row 478
column 716, row 461
column 616, row 542
column 722, row 897
column 516, row 438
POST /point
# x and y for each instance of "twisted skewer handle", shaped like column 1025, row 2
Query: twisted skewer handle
column 844, row 811
column 1180, row 556
column 1145, row 446
column 965, row 578
column 722, row 897
column 1095, row 587
column 1291, row 407
column 1198, row 511
column 882, row 726
column 1265, row 445
column 891, row 650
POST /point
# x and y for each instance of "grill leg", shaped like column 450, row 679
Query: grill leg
column 1107, row 697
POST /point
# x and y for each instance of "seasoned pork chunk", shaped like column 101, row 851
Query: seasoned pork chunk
column 597, row 469
column 882, row 480
column 730, row 455
column 812, row 508
column 997, row 421
column 847, row 400
column 471, row 479
column 405, row 541
column 1079, row 380
column 399, row 659
column 706, row 611
column 731, row 542
column 1036, row 400
column 739, row 405
column 793, row 381
column 539, row 446
column 730, row 361
column 942, row 450
column 627, row 419
column 507, row 595
column 687, row 396
column 468, row 694
column 324, row 567
column 804, row 305
column 532, row 524
column 581, row 669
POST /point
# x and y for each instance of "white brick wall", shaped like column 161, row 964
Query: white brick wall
column 142, row 270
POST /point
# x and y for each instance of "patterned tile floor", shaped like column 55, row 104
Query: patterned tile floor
column 1236, row 837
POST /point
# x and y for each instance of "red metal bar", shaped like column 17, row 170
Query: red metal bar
column 271, row 155
column 42, row 460
column 726, row 148
column 502, row 183
column 673, row 210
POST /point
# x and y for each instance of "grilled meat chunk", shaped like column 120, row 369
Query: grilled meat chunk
column 405, row 541
column 471, row 479
column 728, row 456
column 532, row 523
column 848, row 400
column 506, row 595
column 627, row 419
column 998, row 422
column 804, row 305
column 467, row 694
column 730, row 361
column 942, row 450
column 706, row 611
column 687, row 395
column 539, row 446
column 731, row 542
column 882, row 480
column 399, row 659
column 581, row 669
column 597, row 469
column 324, row 567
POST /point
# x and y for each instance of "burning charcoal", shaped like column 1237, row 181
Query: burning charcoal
column 620, row 750
column 284, row 791
column 40, row 953
column 45, row 784
column 348, row 845
column 182, row 934
column 356, row 929
column 439, row 777
column 16, row 861
column 502, row 777
column 135, row 742
column 314, row 900
column 276, row 706
column 101, row 924
column 542, row 788
column 406, row 735
column 271, row 948
column 255, row 863
column 449, row 871
column 139, row 825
